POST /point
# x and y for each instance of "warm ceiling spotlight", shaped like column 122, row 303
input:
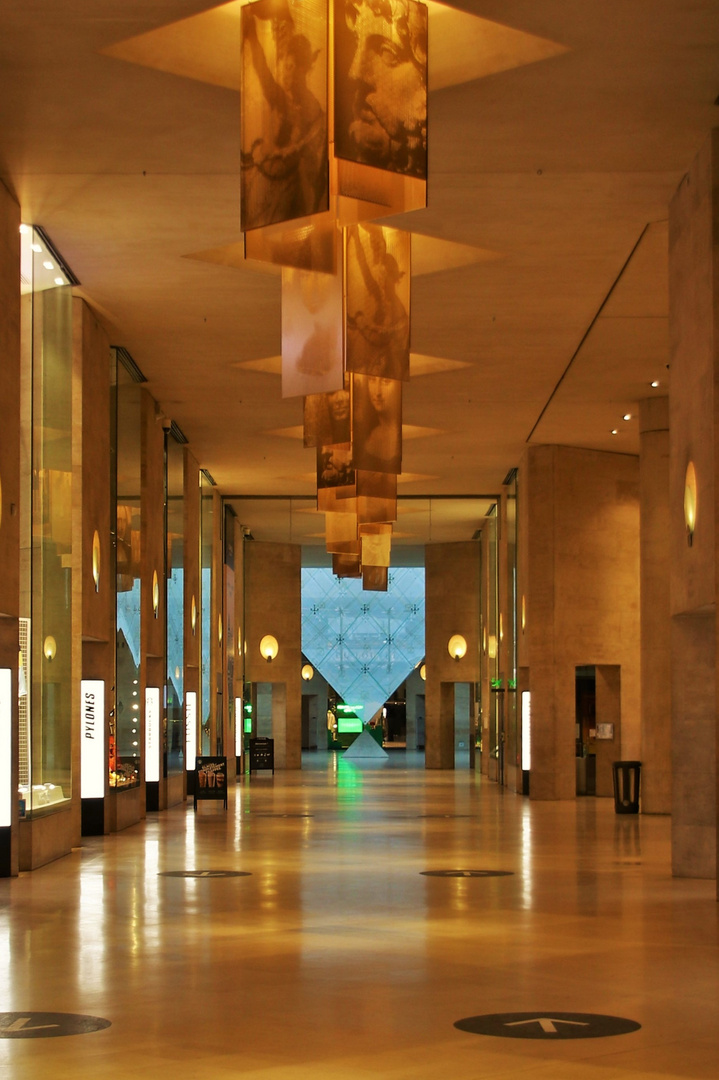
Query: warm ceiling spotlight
column 49, row 648
column 614, row 431
column 627, row 416
column 307, row 672
column 59, row 281
column 49, row 265
column 269, row 647
column 24, row 230
column 655, row 383
column 690, row 501
column 457, row 646
column 37, row 248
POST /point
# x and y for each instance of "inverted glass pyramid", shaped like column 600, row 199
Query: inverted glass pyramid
column 363, row 643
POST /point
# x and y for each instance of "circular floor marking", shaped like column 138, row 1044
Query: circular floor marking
column 205, row 873
column 46, row 1025
column 466, row 873
column 548, row 1026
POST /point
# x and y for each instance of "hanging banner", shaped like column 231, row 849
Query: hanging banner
column 190, row 730
column 6, row 792
column 152, row 734
column 92, row 739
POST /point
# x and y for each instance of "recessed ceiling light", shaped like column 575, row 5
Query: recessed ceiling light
column 36, row 247
column 49, row 265
column 59, row 281
column 627, row 416
column 614, row 431
column 655, row 383
column 24, row 229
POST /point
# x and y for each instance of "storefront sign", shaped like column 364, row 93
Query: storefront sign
column 6, row 794
column 92, row 735
column 152, row 734
column 190, row 730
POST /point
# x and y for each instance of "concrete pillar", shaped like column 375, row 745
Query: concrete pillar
column 693, row 249
column 655, row 557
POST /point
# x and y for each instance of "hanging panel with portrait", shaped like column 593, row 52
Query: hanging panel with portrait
column 327, row 418
column 377, row 424
column 377, row 273
column 312, row 344
column 380, row 97
column 284, row 162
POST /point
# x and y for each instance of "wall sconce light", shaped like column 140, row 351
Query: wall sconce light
column 269, row 647
column 155, row 594
column 423, row 672
column 492, row 647
column 524, row 613
column 49, row 648
column 690, row 501
column 96, row 560
column 193, row 614
column 457, row 646
column 501, row 627
column 219, row 630
column 307, row 672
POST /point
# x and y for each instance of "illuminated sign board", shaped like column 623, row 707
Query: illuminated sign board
column 190, row 730
column 92, row 739
column 152, row 734
column 6, row 793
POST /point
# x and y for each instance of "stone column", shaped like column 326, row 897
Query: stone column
column 693, row 217
column 655, row 610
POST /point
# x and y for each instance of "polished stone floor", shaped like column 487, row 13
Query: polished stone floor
column 336, row 957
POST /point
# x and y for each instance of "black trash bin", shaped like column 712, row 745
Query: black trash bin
column 627, row 775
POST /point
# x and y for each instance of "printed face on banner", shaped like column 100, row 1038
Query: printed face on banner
column 378, row 264
column 327, row 419
column 381, row 84
column 284, row 170
column 311, row 333
column 334, row 466
column 377, row 424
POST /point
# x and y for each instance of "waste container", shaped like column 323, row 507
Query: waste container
column 626, row 776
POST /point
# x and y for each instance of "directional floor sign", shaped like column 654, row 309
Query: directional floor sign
column 205, row 873
column 43, row 1025
column 549, row 1025
column 466, row 873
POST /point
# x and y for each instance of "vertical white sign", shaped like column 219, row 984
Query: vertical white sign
column 526, row 732
column 190, row 730
column 152, row 733
column 6, row 792
column 239, row 726
column 92, row 739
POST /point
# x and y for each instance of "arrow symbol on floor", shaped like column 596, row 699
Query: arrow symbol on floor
column 547, row 1024
column 21, row 1025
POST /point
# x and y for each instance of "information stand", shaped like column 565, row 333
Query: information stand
column 211, row 779
column 262, row 754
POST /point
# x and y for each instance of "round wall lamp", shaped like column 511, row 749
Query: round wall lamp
column 307, row 672
column 457, row 646
column 423, row 672
column 96, row 560
column 49, row 648
column 690, row 501
column 193, row 614
column 155, row 594
column 269, row 647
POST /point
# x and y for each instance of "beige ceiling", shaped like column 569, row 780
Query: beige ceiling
column 539, row 304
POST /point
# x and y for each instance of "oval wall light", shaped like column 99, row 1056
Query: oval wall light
column 49, row 648
column 690, row 501
column 307, row 672
column 423, row 672
column 96, row 560
column 193, row 614
column 155, row 594
column 456, row 646
column 269, row 647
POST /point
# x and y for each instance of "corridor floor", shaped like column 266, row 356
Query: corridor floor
column 336, row 957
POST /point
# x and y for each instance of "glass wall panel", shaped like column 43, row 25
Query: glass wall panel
column 174, row 744
column 46, row 529
column 125, row 741
column 206, row 538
